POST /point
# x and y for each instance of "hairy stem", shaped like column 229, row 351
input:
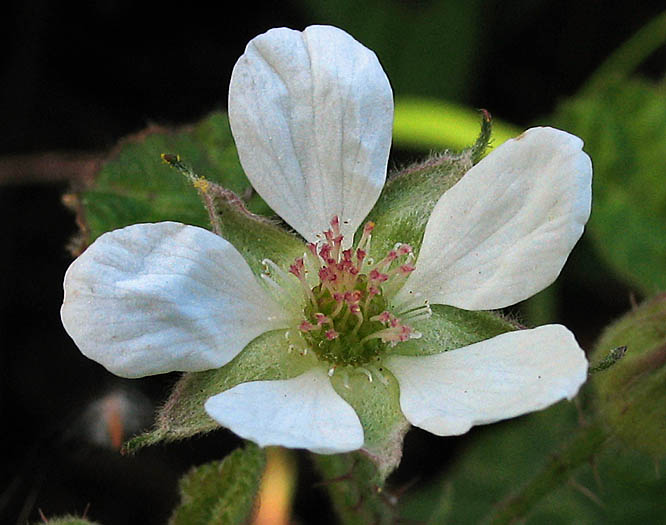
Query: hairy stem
column 355, row 488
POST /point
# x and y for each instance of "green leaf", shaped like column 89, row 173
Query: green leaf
column 221, row 492
column 135, row 185
column 183, row 415
column 623, row 125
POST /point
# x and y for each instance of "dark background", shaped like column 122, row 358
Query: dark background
column 76, row 77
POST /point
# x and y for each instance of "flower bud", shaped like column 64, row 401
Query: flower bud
column 632, row 393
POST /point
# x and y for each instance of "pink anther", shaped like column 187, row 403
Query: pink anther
column 404, row 249
column 406, row 269
column 297, row 267
column 305, row 326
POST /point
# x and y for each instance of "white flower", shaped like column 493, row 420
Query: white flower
column 311, row 113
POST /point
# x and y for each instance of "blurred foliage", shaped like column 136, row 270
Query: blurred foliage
column 424, row 123
column 617, row 486
column 221, row 492
column 623, row 125
column 447, row 33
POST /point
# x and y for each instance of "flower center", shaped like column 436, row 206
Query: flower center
column 347, row 319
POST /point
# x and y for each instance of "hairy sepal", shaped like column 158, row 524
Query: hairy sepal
column 254, row 236
column 183, row 414
column 409, row 196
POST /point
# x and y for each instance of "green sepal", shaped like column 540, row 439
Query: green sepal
column 134, row 185
column 409, row 196
column 378, row 407
column 255, row 237
column 449, row 328
column 221, row 492
column 266, row 358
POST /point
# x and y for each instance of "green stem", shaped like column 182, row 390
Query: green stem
column 355, row 488
column 580, row 449
column 630, row 55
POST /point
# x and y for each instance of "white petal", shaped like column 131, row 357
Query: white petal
column 502, row 377
column 303, row 412
column 152, row 298
column 312, row 114
column 505, row 230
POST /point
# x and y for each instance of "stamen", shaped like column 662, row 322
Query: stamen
column 297, row 267
column 338, row 298
column 364, row 242
column 404, row 249
column 384, row 317
column 378, row 276
column 423, row 311
column 366, row 372
column 335, row 225
column 322, row 319
column 279, row 292
column 380, row 376
column 270, row 266
column 306, row 326
column 352, row 296
column 359, row 315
